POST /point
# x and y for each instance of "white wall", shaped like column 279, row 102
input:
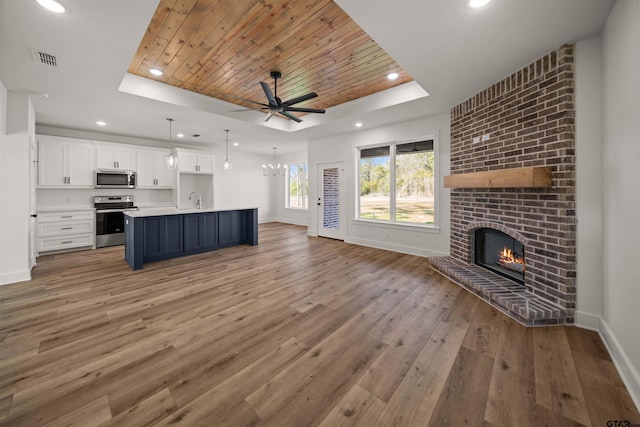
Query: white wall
column 621, row 190
column 413, row 240
column 589, row 181
column 244, row 185
column 14, row 184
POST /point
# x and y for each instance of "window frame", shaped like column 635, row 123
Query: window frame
column 287, row 203
column 392, row 193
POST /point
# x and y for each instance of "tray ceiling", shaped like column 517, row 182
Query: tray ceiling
column 224, row 48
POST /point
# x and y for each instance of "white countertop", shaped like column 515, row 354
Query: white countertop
column 175, row 211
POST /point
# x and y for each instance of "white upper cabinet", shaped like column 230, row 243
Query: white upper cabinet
column 64, row 162
column 152, row 170
column 205, row 163
column 115, row 156
column 195, row 162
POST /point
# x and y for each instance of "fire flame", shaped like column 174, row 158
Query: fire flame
column 507, row 257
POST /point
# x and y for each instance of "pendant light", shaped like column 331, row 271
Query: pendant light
column 227, row 164
column 274, row 169
column 172, row 159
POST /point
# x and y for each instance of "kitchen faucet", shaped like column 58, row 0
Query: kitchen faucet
column 198, row 199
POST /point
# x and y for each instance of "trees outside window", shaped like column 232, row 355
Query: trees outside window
column 397, row 183
column 297, row 186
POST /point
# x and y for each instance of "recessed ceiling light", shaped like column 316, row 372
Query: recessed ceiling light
column 393, row 76
column 477, row 3
column 359, row 124
column 156, row 72
column 52, row 5
column 235, row 144
column 180, row 135
column 101, row 123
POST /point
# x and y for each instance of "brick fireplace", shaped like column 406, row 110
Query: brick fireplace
column 524, row 120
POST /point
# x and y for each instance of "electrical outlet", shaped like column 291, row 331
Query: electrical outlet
column 485, row 137
column 387, row 234
column 476, row 139
column 67, row 200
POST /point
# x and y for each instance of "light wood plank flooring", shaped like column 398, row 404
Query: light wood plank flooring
column 296, row 331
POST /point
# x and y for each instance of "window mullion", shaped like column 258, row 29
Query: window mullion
column 392, row 183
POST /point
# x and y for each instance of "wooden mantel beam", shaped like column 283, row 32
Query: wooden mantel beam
column 530, row 177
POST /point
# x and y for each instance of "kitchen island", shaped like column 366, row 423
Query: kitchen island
column 164, row 233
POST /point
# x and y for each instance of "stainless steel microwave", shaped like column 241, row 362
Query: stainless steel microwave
column 115, row 179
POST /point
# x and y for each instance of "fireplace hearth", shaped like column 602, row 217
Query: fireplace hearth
column 500, row 253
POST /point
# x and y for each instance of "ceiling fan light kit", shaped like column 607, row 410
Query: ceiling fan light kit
column 277, row 106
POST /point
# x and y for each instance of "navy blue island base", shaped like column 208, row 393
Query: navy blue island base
column 152, row 237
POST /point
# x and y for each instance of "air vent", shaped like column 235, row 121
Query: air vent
column 44, row 58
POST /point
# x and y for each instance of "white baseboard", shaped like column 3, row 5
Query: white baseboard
column 18, row 276
column 395, row 248
column 621, row 360
column 292, row 221
column 588, row 321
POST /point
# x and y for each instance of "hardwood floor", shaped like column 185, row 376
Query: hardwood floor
column 295, row 331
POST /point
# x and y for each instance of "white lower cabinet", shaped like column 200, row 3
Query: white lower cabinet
column 65, row 230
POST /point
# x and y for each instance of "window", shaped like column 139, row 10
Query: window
column 297, row 186
column 397, row 183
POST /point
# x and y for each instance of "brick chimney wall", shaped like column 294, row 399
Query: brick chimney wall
column 530, row 119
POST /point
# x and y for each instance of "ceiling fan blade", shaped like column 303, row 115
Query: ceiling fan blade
column 290, row 116
column 269, row 94
column 249, row 109
column 269, row 115
column 299, row 99
column 305, row 110
column 247, row 100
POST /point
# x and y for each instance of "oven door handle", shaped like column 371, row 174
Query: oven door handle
column 109, row 210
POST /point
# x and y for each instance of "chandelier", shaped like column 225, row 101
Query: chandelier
column 274, row 169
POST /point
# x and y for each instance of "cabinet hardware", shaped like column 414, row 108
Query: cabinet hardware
column 66, row 242
column 66, row 228
column 66, row 216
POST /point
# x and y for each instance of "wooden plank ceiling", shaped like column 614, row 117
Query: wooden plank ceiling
column 226, row 47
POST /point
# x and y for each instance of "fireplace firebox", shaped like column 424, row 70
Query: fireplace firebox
column 500, row 253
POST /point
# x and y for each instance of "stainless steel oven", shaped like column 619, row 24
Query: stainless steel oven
column 110, row 219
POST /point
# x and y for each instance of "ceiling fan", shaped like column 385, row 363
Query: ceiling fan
column 277, row 106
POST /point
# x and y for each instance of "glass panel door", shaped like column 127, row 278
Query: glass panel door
column 331, row 216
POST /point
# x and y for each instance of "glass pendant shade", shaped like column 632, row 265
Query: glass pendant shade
column 172, row 158
column 172, row 161
column 226, row 166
